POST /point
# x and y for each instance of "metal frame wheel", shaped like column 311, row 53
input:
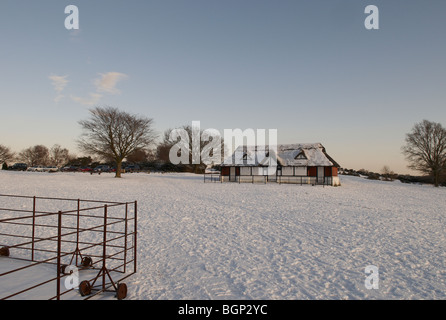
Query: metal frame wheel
column 4, row 251
column 63, row 268
column 86, row 262
column 121, row 291
column 85, row 288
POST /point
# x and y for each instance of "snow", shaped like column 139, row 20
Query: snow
column 34, row 276
column 254, row 241
column 313, row 152
column 286, row 154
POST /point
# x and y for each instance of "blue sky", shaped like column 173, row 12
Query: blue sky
column 309, row 69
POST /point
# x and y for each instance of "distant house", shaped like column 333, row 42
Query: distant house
column 295, row 163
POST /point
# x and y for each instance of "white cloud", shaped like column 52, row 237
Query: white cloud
column 108, row 81
column 105, row 84
column 59, row 83
column 90, row 101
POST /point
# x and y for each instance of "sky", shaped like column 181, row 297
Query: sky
column 310, row 69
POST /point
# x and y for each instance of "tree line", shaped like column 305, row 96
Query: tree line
column 112, row 135
column 109, row 136
column 37, row 155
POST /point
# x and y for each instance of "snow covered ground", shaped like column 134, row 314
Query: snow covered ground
column 245, row 241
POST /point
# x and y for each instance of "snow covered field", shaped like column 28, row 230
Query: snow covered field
column 245, row 241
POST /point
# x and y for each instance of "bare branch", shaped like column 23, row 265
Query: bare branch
column 5, row 154
column 111, row 133
column 425, row 149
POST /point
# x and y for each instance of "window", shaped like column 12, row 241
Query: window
column 245, row 171
column 247, row 159
column 287, row 171
column 300, row 171
column 300, row 156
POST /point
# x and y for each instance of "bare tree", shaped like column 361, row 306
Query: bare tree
column 387, row 174
column 138, row 156
column 35, row 156
column 111, row 133
column 59, row 156
column 164, row 148
column 5, row 154
column 425, row 149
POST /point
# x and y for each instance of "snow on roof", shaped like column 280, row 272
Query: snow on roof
column 300, row 154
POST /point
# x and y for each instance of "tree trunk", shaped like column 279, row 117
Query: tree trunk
column 118, row 168
column 436, row 178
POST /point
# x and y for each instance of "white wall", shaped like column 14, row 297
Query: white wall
column 300, row 171
column 245, row 171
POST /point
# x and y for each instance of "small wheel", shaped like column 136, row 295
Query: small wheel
column 85, row 288
column 121, row 291
column 87, row 262
column 63, row 269
column 4, row 251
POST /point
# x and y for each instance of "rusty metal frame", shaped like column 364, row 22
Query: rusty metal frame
column 125, row 254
